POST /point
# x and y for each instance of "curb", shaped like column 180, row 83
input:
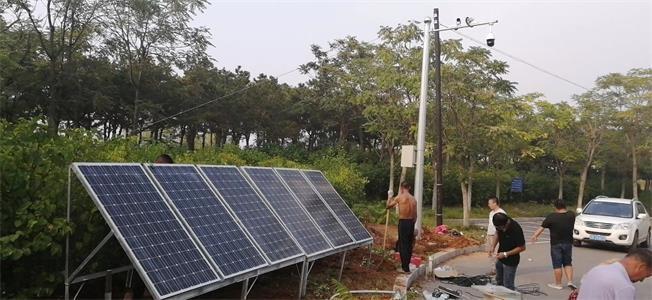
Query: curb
column 404, row 281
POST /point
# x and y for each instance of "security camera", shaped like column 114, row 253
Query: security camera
column 491, row 39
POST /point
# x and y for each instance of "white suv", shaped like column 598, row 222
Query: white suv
column 622, row 222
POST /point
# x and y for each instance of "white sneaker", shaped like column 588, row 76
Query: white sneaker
column 571, row 285
column 555, row 286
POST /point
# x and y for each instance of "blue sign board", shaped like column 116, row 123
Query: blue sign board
column 517, row 185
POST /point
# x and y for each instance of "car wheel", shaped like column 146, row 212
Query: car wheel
column 646, row 244
column 577, row 243
column 634, row 244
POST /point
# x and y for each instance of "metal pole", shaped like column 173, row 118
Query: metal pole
column 339, row 276
column 108, row 285
column 439, row 156
column 421, row 130
column 304, row 270
column 245, row 286
column 66, row 269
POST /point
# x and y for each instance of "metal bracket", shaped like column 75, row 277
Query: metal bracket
column 90, row 256
column 246, row 287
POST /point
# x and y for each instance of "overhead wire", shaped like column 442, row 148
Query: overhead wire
column 520, row 60
column 236, row 92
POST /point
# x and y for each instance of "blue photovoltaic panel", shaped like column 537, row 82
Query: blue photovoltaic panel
column 259, row 220
column 288, row 209
column 337, row 204
column 208, row 219
column 315, row 206
column 152, row 233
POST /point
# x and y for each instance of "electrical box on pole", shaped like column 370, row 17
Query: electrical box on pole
column 408, row 156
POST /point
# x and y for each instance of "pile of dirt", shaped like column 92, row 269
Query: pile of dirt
column 429, row 243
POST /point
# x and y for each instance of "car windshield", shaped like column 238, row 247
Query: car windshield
column 611, row 209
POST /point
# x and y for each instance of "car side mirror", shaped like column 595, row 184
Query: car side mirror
column 641, row 216
column 578, row 210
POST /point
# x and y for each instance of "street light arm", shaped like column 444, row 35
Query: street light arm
column 465, row 26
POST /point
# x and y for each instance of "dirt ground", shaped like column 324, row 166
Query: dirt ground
column 363, row 270
column 430, row 242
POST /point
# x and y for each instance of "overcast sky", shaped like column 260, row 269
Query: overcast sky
column 575, row 39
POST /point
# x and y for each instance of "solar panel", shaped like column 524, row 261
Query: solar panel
column 337, row 204
column 159, row 246
column 295, row 218
column 315, row 206
column 210, row 221
column 252, row 211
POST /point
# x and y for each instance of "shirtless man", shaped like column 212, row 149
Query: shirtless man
column 407, row 213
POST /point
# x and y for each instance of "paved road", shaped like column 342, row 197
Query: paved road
column 535, row 266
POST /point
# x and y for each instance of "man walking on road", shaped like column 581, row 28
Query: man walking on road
column 560, row 223
column 407, row 213
column 511, row 243
column 615, row 281
column 494, row 205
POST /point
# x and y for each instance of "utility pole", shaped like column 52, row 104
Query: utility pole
column 439, row 156
column 421, row 134
column 421, row 128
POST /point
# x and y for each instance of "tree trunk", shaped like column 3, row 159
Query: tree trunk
column 391, row 168
column 634, row 172
column 192, row 134
column 434, row 186
column 622, row 188
column 584, row 175
column 560, row 193
column 183, row 134
column 467, row 194
column 203, row 140
column 603, row 174
column 497, row 187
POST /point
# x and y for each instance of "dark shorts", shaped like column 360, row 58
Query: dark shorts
column 561, row 254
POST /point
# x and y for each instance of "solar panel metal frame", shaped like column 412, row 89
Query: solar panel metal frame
column 228, row 210
column 353, row 241
column 185, row 293
column 287, row 260
column 269, row 205
column 363, row 241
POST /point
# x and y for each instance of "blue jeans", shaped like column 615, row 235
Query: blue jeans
column 505, row 275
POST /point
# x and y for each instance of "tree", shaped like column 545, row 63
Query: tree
column 632, row 94
column 140, row 33
column 63, row 29
column 595, row 113
column 471, row 88
column 558, row 126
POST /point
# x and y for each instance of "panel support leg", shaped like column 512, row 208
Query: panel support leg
column 339, row 276
column 108, row 285
column 243, row 292
column 304, row 286
column 304, row 270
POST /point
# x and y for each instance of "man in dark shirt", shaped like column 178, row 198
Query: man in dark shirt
column 560, row 223
column 511, row 243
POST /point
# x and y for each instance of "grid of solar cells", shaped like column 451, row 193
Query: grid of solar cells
column 317, row 209
column 155, row 236
column 208, row 218
column 337, row 204
column 259, row 220
column 289, row 210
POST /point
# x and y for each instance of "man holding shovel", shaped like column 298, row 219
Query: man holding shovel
column 407, row 214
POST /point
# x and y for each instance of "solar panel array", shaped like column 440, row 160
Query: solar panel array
column 169, row 258
column 266, row 229
column 315, row 206
column 186, row 228
column 208, row 218
column 295, row 218
column 337, row 204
